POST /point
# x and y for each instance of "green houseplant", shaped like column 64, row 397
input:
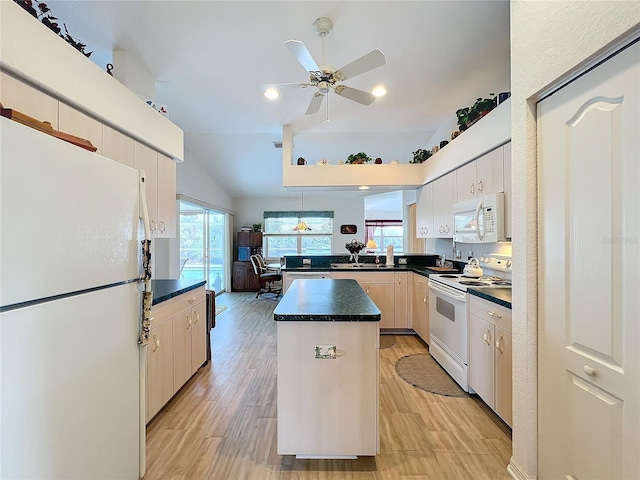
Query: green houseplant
column 467, row 116
column 358, row 158
column 420, row 155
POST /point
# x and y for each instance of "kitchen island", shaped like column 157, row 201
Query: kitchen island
column 328, row 338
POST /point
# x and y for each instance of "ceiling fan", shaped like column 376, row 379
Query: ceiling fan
column 325, row 77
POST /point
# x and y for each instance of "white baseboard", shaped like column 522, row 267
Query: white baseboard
column 517, row 472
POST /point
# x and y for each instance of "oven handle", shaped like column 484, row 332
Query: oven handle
column 448, row 292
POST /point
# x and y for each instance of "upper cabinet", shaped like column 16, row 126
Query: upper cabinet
column 19, row 96
column 481, row 177
column 424, row 212
column 81, row 125
column 160, row 190
column 444, row 196
column 117, row 146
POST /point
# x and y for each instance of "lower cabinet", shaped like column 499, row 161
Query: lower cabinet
column 177, row 347
column 420, row 306
column 244, row 278
column 388, row 290
column 490, row 355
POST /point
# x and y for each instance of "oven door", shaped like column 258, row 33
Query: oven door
column 448, row 313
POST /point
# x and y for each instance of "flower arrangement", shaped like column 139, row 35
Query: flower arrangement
column 420, row 155
column 354, row 247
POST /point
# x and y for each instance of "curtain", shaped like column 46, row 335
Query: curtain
column 371, row 225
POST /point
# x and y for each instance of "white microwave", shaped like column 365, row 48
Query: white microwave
column 480, row 220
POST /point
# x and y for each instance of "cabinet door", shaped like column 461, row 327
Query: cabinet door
column 244, row 239
column 182, row 324
column 117, row 146
column 438, row 207
column 424, row 212
column 489, row 170
column 401, row 305
column 167, row 207
column 144, row 158
column 255, row 239
column 199, row 336
column 449, row 198
column 28, row 100
column 507, row 190
column 466, row 181
column 481, row 359
column 420, row 312
column 81, row 125
column 503, row 400
column 159, row 368
column 383, row 295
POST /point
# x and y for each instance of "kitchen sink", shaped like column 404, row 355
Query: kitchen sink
column 348, row 266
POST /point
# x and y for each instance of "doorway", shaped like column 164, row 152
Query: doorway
column 203, row 249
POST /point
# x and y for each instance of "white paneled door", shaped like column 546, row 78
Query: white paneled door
column 589, row 274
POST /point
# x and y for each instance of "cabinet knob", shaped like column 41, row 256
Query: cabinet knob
column 487, row 337
column 154, row 226
column 191, row 300
column 589, row 370
column 424, row 300
column 480, row 186
column 493, row 314
column 399, row 280
column 189, row 322
column 156, row 343
column 472, row 188
column 499, row 345
column 197, row 317
column 163, row 227
column 367, row 290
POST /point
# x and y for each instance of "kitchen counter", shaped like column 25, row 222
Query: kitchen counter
column 419, row 269
column 164, row 289
column 326, row 300
column 499, row 295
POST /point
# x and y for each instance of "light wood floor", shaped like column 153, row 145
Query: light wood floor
column 222, row 424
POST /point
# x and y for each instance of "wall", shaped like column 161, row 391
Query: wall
column 548, row 40
column 348, row 208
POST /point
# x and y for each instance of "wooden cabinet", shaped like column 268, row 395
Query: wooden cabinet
column 177, row 347
column 249, row 239
column 420, row 307
column 424, row 212
column 244, row 278
column 445, row 194
column 490, row 355
column 26, row 99
column 160, row 188
column 508, row 190
column 81, row 125
column 481, row 177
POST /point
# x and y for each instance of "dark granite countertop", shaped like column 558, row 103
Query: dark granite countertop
column 499, row 295
column 326, row 300
column 422, row 270
column 164, row 289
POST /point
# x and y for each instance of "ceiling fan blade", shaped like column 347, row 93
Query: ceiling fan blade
column 314, row 104
column 373, row 59
column 287, row 85
column 302, row 54
column 360, row 96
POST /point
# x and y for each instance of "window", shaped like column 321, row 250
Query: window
column 282, row 238
column 385, row 232
column 202, row 245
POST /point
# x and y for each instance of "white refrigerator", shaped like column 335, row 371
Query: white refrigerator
column 72, row 359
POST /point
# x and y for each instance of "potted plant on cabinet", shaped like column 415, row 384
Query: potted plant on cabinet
column 467, row 116
column 358, row 158
column 420, row 155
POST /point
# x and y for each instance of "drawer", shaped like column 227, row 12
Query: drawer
column 187, row 300
column 374, row 277
column 160, row 313
column 420, row 281
column 491, row 312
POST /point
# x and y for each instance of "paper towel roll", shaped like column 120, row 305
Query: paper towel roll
column 389, row 255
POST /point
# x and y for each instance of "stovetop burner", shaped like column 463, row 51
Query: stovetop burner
column 473, row 283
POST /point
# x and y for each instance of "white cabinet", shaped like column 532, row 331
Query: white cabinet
column 81, row 125
column 490, row 355
column 117, row 146
column 481, row 177
column 160, row 187
column 424, row 212
column 177, row 347
column 26, row 99
column 508, row 191
column 420, row 306
column 445, row 194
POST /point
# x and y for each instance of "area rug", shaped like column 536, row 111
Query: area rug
column 423, row 372
column 387, row 341
column 220, row 309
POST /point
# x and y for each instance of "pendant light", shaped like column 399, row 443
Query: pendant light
column 301, row 226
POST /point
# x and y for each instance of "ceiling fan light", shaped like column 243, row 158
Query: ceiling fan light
column 271, row 93
column 323, row 87
column 379, row 91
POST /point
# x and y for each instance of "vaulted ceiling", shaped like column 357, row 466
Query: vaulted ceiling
column 212, row 59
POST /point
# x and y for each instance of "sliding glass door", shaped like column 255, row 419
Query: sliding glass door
column 202, row 245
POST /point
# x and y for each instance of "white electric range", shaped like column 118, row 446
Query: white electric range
column 449, row 313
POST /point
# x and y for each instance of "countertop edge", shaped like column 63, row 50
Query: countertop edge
column 325, row 318
column 486, row 295
column 184, row 287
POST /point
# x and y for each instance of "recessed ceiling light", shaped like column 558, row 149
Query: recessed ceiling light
column 363, row 187
column 379, row 91
column 271, row 93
